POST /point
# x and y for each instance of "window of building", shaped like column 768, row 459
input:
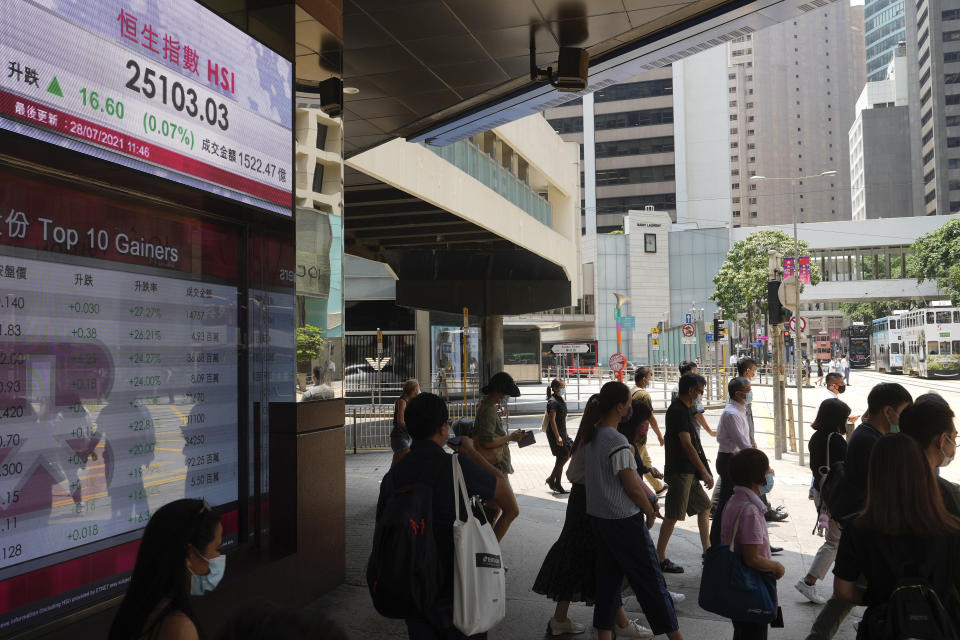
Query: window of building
column 953, row 142
column 318, row 178
column 749, row 118
column 735, row 172
column 753, row 187
column 948, row 36
column 948, row 56
column 731, row 76
column 733, row 117
column 733, row 131
column 951, row 14
column 736, row 213
column 953, row 99
column 951, row 78
column 734, row 158
column 735, row 186
column 734, row 145
column 735, row 200
column 634, row 147
column 649, row 243
column 732, row 90
column 753, row 201
column 753, row 214
column 321, row 137
column 733, row 103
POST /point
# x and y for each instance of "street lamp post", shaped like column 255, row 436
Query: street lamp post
column 798, row 363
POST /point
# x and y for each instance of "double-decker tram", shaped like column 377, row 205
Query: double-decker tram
column 887, row 343
column 856, row 344
column 931, row 342
column 821, row 346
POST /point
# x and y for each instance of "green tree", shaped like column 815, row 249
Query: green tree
column 936, row 256
column 740, row 285
column 867, row 312
column 310, row 343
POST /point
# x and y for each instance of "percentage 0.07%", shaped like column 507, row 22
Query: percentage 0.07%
column 167, row 129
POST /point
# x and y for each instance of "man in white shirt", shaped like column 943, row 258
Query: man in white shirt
column 733, row 435
column 733, row 360
column 835, row 386
column 318, row 390
column 845, row 369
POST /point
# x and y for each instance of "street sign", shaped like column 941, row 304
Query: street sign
column 757, row 344
column 628, row 322
column 688, row 334
column 689, row 318
column 793, row 324
column 570, row 348
column 708, row 337
column 618, row 362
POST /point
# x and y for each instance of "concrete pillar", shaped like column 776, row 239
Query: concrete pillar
column 422, row 319
column 492, row 347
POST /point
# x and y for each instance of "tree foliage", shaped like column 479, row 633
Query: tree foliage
column 936, row 256
column 741, row 282
column 866, row 312
column 310, row 343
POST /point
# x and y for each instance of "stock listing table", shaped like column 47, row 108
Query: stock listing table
column 118, row 393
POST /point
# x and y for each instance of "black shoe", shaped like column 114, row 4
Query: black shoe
column 775, row 550
column 775, row 516
column 558, row 488
column 668, row 566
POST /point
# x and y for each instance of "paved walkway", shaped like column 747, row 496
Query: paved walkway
column 540, row 521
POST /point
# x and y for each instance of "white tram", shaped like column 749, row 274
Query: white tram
column 931, row 342
column 887, row 343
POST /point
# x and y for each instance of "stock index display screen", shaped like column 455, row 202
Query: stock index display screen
column 118, row 383
column 167, row 87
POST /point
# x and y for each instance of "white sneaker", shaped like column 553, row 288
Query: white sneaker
column 567, row 626
column 633, row 630
column 630, row 602
column 810, row 592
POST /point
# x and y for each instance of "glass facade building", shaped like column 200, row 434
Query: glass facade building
column 884, row 27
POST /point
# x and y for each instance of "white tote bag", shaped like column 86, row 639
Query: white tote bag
column 479, row 589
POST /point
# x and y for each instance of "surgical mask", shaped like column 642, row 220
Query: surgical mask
column 562, row 393
column 200, row 585
column 894, row 426
column 841, row 388
column 749, row 397
column 768, row 484
column 947, row 459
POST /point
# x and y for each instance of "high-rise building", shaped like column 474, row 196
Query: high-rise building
column 880, row 145
column 933, row 47
column 792, row 89
column 632, row 143
column 883, row 28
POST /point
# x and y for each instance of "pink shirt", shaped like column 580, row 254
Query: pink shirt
column 753, row 526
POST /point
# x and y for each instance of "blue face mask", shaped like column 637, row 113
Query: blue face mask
column 200, row 585
column 768, row 484
column 749, row 397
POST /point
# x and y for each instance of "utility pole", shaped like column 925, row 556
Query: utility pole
column 776, row 338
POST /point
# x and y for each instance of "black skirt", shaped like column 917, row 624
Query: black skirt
column 569, row 570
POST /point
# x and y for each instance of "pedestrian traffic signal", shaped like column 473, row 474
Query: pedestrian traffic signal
column 717, row 328
column 775, row 311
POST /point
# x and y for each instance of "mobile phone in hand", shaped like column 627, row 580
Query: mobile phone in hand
column 527, row 439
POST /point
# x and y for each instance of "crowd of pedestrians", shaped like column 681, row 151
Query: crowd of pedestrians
column 890, row 523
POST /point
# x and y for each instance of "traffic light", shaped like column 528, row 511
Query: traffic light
column 776, row 313
column 717, row 328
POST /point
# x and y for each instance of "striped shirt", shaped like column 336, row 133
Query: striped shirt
column 606, row 456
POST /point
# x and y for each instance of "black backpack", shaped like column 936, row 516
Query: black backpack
column 842, row 498
column 404, row 571
column 914, row 611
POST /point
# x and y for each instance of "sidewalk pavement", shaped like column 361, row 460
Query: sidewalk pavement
column 539, row 524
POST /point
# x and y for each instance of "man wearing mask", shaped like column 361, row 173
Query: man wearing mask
column 929, row 421
column 835, row 386
column 685, row 466
column 885, row 403
column 733, row 436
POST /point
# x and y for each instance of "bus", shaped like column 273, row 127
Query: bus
column 931, row 341
column 887, row 343
column 856, row 344
column 821, row 346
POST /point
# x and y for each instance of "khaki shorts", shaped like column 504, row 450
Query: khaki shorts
column 685, row 497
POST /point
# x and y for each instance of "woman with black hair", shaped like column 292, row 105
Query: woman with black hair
column 829, row 427
column 622, row 515
column 903, row 537
column 179, row 556
column 569, row 572
column 744, row 527
column 560, row 443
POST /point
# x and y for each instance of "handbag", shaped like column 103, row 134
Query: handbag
column 731, row 589
column 545, row 425
column 479, row 588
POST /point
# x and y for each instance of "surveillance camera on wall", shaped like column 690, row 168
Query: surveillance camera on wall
column 572, row 67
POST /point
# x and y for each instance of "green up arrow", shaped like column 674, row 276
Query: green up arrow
column 54, row 87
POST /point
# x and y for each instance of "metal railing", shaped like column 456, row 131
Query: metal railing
column 368, row 427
